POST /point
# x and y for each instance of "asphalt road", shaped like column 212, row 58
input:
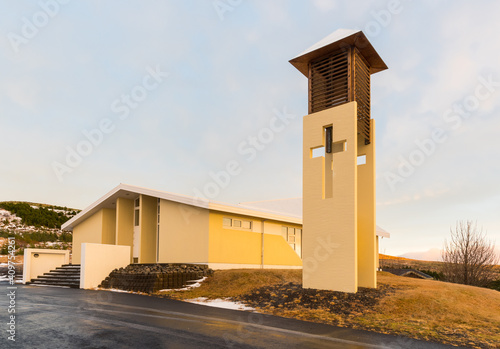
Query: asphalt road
column 50, row 317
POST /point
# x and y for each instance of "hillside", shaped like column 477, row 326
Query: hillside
column 422, row 309
column 34, row 225
column 39, row 215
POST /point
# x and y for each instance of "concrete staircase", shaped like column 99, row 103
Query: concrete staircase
column 67, row 275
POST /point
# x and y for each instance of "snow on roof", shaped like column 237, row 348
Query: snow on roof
column 338, row 40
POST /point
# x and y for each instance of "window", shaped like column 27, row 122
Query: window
column 236, row 223
column 293, row 237
column 362, row 160
column 246, row 224
column 136, row 218
column 137, row 202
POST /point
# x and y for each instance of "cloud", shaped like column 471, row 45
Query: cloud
column 325, row 5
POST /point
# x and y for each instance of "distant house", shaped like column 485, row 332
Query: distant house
column 162, row 227
column 411, row 273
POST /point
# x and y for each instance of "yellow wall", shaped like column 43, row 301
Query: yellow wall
column 236, row 246
column 183, row 234
column 240, row 246
column 278, row 252
column 108, row 226
column 148, row 213
column 367, row 249
column 90, row 230
column 329, row 239
column 125, row 223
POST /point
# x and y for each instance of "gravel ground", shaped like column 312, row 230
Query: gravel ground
column 290, row 296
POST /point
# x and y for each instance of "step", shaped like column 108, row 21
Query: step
column 62, row 271
column 48, row 277
column 69, row 284
column 69, row 268
column 55, row 281
column 61, row 284
column 68, row 275
column 62, row 274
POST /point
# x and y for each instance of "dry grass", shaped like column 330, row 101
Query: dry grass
column 235, row 282
column 440, row 311
column 422, row 309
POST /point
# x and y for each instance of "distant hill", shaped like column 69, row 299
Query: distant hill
column 386, row 256
column 434, row 254
column 39, row 215
column 34, row 225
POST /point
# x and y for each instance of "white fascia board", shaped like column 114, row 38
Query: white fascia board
column 254, row 213
column 97, row 205
column 382, row 233
column 68, row 225
column 183, row 199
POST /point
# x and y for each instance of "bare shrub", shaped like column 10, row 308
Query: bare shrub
column 469, row 258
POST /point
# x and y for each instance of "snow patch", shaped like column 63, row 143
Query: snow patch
column 220, row 303
column 113, row 290
column 187, row 288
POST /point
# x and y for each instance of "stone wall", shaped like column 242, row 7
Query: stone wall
column 150, row 278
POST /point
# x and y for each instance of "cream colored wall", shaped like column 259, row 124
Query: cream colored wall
column 98, row 260
column 46, row 261
column 273, row 228
column 367, row 249
column 329, row 241
column 148, row 213
column 89, row 230
column 108, row 226
column 183, row 234
column 125, row 223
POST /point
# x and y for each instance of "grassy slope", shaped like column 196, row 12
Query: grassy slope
column 423, row 309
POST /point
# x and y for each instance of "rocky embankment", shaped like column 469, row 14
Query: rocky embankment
column 150, row 278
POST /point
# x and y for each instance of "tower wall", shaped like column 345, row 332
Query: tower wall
column 330, row 243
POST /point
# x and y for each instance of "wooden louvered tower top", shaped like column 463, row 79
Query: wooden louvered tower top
column 339, row 68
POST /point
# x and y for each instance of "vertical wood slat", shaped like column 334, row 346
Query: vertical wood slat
column 350, row 81
column 328, row 81
column 362, row 94
column 309, row 93
column 338, row 78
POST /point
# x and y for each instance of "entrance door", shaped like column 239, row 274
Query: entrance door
column 136, row 248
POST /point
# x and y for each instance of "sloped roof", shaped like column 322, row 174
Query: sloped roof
column 284, row 210
column 409, row 273
column 335, row 41
column 129, row 192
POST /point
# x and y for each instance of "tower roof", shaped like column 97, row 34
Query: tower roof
column 335, row 41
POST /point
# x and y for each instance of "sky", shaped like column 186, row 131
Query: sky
column 181, row 96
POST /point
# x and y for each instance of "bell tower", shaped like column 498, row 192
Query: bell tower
column 338, row 242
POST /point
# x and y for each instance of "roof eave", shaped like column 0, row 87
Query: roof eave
column 357, row 39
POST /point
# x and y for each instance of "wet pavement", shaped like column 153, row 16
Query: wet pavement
column 51, row 317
